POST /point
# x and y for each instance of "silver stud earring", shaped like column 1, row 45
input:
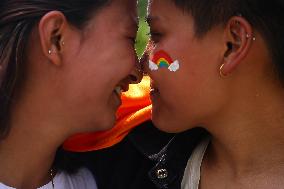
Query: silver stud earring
column 49, row 51
column 249, row 36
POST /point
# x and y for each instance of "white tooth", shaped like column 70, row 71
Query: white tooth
column 118, row 90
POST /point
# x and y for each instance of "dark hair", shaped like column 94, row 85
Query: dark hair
column 265, row 16
column 17, row 19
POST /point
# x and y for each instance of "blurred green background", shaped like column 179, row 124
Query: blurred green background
column 142, row 37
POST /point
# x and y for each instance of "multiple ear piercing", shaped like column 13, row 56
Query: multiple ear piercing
column 49, row 50
column 249, row 36
column 221, row 67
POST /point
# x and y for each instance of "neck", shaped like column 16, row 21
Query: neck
column 27, row 153
column 248, row 139
column 26, row 161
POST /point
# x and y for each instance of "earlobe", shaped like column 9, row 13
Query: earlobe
column 51, row 28
column 239, row 37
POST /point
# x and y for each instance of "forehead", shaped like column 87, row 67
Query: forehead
column 117, row 15
column 129, row 6
column 159, row 10
column 124, row 8
column 165, row 15
column 162, row 5
column 126, row 11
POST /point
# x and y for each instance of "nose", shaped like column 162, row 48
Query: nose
column 136, row 73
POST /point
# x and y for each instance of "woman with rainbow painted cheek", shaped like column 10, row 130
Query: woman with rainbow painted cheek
column 231, row 85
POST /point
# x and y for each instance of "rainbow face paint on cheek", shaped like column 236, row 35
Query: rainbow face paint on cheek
column 161, row 59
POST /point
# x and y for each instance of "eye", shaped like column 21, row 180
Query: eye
column 132, row 39
column 155, row 37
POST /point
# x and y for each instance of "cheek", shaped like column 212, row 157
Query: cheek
column 88, row 79
column 85, row 87
column 119, row 58
column 125, row 56
column 109, row 62
column 103, row 71
column 192, row 90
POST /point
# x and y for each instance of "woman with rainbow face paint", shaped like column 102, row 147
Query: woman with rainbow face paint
column 229, row 82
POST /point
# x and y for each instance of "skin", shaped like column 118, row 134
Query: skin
column 243, row 111
column 69, row 90
column 197, row 70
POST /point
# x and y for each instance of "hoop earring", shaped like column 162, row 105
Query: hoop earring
column 221, row 72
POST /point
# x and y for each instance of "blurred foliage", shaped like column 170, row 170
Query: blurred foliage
column 142, row 37
column 142, row 6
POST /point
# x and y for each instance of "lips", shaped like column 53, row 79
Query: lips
column 154, row 91
column 117, row 96
column 118, row 90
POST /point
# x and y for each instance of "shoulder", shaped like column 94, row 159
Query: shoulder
column 83, row 179
column 2, row 186
column 137, row 160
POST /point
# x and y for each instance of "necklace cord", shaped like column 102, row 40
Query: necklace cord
column 52, row 176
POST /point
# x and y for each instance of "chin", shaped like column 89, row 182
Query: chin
column 168, row 126
column 101, row 123
column 107, row 123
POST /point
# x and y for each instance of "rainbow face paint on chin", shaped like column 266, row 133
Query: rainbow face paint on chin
column 162, row 59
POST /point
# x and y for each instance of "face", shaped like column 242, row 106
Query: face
column 101, row 58
column 187, row 97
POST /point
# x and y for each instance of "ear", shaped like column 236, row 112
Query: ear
column 51, row 29
column 238, row 37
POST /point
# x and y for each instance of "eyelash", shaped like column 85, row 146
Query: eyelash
column 133, row 39
column 154, row 36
